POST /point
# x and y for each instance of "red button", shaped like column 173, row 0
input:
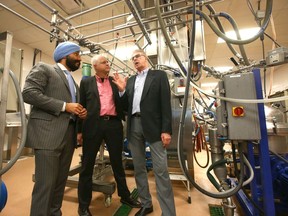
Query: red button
column 238, row 111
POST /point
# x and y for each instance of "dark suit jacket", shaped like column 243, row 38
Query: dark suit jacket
column 155, row 105
column 89, row 98
column 46, row 88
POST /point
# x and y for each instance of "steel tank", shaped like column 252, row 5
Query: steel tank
column 277, row 130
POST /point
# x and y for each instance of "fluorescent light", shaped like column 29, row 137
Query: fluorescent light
column 244, row 33
column 209, row 84
column 223, row 68
column 71, row 6
column 129, row 18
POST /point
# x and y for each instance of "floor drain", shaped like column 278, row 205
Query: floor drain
column 216, row 210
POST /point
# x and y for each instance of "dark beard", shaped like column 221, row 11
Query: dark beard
column 71, row 63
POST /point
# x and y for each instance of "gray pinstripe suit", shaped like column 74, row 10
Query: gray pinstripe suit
column 50, row 134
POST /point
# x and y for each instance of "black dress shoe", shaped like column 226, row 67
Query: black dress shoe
column 131, row 202
column 144, row 211
column 84, row 212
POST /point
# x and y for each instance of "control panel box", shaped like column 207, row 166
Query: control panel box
column 179, row 86
column 277, row 56
column 242, row 120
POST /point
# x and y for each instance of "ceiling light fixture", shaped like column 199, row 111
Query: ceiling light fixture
column 222, row 69
column 70, row 6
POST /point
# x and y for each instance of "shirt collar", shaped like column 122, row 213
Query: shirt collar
column 143, row 72
column 99, row 79
column 62, row 67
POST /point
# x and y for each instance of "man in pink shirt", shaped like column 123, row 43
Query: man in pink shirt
column 100, row 96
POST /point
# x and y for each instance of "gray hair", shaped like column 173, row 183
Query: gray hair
column 95, row 59
column 139, row 51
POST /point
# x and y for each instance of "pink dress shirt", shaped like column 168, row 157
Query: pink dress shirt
column 106, row 97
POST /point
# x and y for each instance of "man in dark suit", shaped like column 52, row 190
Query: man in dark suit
column 52, row 126
column 100, row 96
column 149, row 121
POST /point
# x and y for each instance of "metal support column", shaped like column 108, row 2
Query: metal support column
column 253, row 184
column 4, row 95
column 264, row 158
column 4, row 90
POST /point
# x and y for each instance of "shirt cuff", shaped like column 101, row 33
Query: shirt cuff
column 64, row 107
column 121, row 93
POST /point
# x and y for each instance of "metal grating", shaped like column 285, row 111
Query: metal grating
column 216, row 210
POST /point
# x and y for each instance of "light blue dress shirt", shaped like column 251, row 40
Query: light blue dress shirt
column 138, row 89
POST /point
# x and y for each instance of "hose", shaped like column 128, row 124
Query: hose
column 23, row 123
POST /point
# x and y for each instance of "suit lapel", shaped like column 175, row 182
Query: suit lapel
column 94, row 87
column 63, row 77
column 148, row 81
column 114, row 87
column 132, row 85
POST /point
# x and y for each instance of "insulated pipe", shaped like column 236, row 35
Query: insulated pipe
column 268, row 12
column 183, row 70
column 193, row 84
column 211, row 9
column 243, row 53
column 23, row 123
column 166, row 36
column 236, row 29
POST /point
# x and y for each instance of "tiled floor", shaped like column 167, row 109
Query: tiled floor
column 18, row 181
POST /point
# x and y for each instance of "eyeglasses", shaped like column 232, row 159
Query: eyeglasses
column 136, row 56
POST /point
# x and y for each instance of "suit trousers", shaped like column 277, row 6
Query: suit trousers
column 51, row 172
column 111, row 131
column 137, row 145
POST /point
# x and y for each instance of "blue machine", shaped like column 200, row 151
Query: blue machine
column 3, row 196
column 270, row 185
column 280, row 182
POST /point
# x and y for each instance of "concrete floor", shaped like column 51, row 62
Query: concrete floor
column 18, row 181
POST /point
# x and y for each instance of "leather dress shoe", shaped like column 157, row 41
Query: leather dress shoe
column 144, row 211
column 131, row 202
column 84, row 212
